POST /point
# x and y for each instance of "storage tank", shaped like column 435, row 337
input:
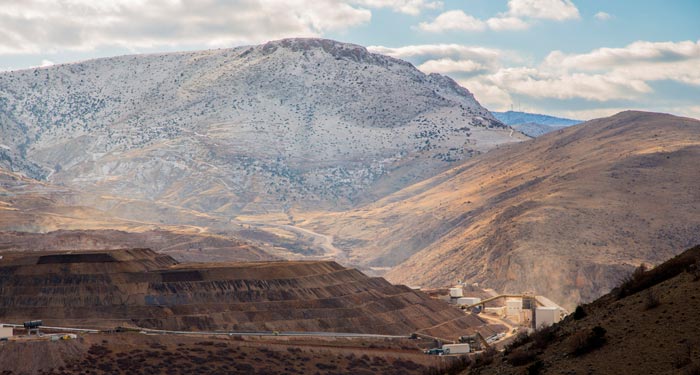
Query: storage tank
column 456, row 348
column 456, row 292
column 546, row 316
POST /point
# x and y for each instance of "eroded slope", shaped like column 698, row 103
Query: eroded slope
column 138, row 287
column 565, row 214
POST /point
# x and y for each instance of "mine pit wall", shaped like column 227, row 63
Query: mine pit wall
column 144, row 289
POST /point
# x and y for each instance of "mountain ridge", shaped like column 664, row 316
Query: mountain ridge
column 295, row 122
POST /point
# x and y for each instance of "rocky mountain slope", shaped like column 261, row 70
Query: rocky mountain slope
column 647, row 326
column 138, row 287
column 532, row 124
column 566, row 214
column 295, row 122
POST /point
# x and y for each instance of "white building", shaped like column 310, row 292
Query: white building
column 514, row 306
column 546, row 316
column 468, row 300
column 456, row 292
column 5, row 332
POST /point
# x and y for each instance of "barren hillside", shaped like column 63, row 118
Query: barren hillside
column 567, row 214
column 140, row 288
column 648, row 326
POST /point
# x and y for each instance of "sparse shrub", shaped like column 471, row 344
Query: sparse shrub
column 408, row 364
column 685, row 357
column 651, row 300
column 579, row 313
column 326, row 366
column 535, row 368
column 694, row 369
column 584, row 341
column 521, row 357
column 484, row 358
column 521, row 339
column 641, row 279
column 543, row 336
column 630, row 281
column 457, row 366
column 694, row 270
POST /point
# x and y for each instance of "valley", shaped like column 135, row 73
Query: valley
column 308, row 206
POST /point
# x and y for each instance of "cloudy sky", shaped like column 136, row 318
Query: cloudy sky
column 574, row 58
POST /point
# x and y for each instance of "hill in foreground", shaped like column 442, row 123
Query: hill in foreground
column 564, row 214
column 648, row 325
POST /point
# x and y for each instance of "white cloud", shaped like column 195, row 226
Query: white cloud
column 45, row 63
column 506, row 23
column 640, row 52
column 602, row 16
column 412, row 7
column 546, row 9
column 453, row 20
column 439, row 50
column 607, row 74
column 513, row 19
column 647, row 61
column 34, row 26
column 448, row 65
column 537, row 83
column 488, row 94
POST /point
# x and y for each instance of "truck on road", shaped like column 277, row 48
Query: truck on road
column 434, row 351
column 456, row 348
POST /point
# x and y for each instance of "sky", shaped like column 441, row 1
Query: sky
column 572, row 58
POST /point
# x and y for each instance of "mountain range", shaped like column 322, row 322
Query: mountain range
column 315, row 149
column 533, row 124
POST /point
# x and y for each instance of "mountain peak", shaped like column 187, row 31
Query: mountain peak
column 339, row 50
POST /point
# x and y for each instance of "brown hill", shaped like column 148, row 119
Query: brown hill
column 647, row 326
column 140, row 288
column 183, row 246
column 565, row 214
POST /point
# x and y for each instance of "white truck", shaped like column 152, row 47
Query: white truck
column 456, row 348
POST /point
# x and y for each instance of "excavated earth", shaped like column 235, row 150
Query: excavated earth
column 141, row 288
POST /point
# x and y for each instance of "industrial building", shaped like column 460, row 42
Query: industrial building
column 514, row 308
column 5, row 332
column 468, row 300
column 456, row 292
column 546, row 316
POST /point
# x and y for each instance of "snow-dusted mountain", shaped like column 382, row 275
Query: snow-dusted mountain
column 533, row 124
column 296, row 122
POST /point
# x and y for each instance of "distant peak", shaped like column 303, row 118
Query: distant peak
column 303, row 44
column 339, row 50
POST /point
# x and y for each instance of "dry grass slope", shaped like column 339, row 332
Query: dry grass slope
column 564, row 214
column 620, row 332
